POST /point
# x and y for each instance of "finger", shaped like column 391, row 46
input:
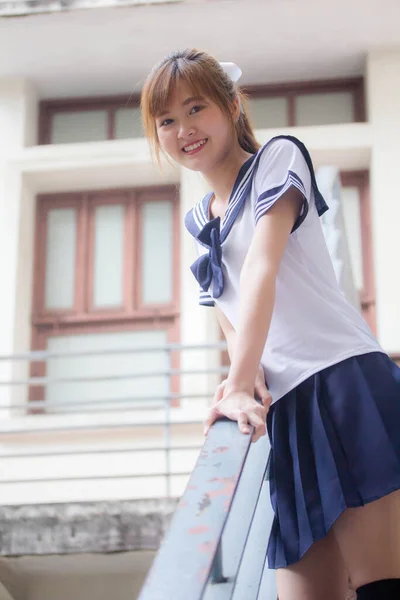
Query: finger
column 267, row 401
column 219, row 392
column 265, row 396
column 262, row 391
column 243, row 422
column 213, row 416
column 258, row 424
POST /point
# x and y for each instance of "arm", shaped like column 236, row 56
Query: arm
column 257, row 289
column 257, row 297
column 259, row 386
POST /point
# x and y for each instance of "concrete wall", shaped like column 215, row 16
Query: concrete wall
column 80, row 576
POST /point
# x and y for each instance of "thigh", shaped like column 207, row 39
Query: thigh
column 321, row 573
column 369, row 540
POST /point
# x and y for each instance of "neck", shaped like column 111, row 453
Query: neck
column 223, row 176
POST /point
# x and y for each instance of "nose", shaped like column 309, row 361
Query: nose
column 186, row 130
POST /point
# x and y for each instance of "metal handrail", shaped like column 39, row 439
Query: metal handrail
column 42, row 404
column 41, row 355
column 40, row 381
column 83, row 452
column 96, row 427
column 118, row 476
column 202, row 553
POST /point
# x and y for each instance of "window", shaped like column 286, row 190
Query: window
column 306, row 104
column 89, row 120
column 106, row 278
column 283, row 105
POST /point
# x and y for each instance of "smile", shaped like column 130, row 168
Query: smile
column 194, row 147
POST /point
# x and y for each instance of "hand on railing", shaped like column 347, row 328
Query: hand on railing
column 241, row 407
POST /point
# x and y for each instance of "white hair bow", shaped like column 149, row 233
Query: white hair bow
column 232, row 70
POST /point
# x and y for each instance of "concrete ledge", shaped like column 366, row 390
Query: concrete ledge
column 84, row 527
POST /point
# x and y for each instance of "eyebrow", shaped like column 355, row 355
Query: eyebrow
column 185, row 103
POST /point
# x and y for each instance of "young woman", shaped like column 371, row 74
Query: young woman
column 333, row 402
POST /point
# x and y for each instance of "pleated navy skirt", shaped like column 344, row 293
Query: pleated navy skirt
column 335, row 444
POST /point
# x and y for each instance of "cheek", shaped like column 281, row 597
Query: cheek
column 221, row 128
column 166, row 139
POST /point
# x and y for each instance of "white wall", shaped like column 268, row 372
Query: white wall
column 383, row 87
column 18, row 124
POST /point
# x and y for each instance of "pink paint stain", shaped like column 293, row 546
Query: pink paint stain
column 227, row 488
column 206, row 547
column 197, row 530
column 220, row 449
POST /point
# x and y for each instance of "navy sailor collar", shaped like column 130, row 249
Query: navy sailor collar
column 199, row 216
column 209, row 232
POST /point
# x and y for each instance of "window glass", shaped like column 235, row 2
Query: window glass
column 157, row 252
column 108, row 255
column 110, row 375
column 79, row 126
column 324, row 108
column 128, row 123
column 268, row 112
column 60, row 259
column 351, row 212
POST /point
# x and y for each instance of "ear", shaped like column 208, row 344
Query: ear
column 236, row 109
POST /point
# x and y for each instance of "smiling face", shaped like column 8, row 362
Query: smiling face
column 194, row 131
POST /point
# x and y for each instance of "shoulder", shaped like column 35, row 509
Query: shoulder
column 281, row 153
column 281, row 159
column 278, row 147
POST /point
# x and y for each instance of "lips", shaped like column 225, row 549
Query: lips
column 195, row 146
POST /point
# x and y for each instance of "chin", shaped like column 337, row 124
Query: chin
column 200, row 164
column 193, row 167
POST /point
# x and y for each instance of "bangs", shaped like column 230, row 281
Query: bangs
column 169, row 76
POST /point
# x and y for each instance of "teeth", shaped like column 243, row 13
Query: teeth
column 194, row 146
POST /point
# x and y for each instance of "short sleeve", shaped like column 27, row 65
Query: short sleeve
column 205, row 299
column 282, row 166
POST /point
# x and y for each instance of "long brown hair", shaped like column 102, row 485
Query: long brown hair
column 205, row 76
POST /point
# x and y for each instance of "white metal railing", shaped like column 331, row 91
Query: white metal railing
column 10, row 8
column 24, row 417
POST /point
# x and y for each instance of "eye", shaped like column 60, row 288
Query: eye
column 195, row 109
column 166, row 122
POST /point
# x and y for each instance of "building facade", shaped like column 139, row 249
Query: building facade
column 106, row 414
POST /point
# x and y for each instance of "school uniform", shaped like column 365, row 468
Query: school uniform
column 335, row 418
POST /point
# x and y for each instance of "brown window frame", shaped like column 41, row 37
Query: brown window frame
column 290, row 91
column 49, row 108
column 293, row 90
column 83, row 317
